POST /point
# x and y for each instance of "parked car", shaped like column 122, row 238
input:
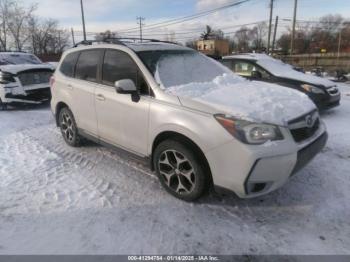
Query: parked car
column 23, row 79
column 195, row 122
column 260, row 67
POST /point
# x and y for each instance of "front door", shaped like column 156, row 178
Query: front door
column 121, row 121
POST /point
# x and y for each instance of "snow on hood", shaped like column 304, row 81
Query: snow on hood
column 14, row 69
column 249, row 100
column 280, row 69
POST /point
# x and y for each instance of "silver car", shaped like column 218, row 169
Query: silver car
column 196, row 123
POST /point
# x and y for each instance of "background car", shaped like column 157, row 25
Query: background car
column 260, row 67
column 23, row 79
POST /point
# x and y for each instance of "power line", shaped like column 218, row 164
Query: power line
column 186, row 18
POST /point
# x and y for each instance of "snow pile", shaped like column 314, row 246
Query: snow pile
column 255, row 101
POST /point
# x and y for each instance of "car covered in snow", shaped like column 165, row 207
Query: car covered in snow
column 195, row 122
column 260, row 67
column 23, row 79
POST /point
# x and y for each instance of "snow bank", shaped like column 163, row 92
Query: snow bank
column 250, row 100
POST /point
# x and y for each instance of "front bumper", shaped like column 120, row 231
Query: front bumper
column 251, row 171
column 327, row 101
column 34, row 96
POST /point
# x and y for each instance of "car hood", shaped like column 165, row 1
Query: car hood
column 308, row 79
column 286, row 71
column 14, row 69
column 249, row 100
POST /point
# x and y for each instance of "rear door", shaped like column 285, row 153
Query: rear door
column 86, row 78
column 121, row 121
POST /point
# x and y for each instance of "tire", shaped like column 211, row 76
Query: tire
column 68, row 127
column 180, row 171
column 3, row 106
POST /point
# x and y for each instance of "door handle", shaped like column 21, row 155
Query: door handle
column 100, row 97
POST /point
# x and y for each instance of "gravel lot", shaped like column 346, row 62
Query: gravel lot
column 60, row 200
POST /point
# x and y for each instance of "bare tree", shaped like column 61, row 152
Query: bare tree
column 257, row 34
column 105, row 35
column 18, row 24
column 243, row 37
column 210, row 33
column 5, row 13
column 46, row 37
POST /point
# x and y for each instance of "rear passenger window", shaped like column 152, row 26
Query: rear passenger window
column 118, row 65
column 68, row 64
column 87, row 65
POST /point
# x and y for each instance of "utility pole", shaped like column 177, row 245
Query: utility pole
column 270, row 27
column 293, row 30
column 339, row 46
column 140, row 19
column 73, row 37
column 274, row 35
column 83, row 18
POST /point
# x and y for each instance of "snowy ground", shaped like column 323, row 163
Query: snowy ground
column 58, row 200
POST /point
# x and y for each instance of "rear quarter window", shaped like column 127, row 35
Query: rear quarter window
column 68, row 65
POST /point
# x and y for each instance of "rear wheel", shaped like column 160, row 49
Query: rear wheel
column 180, row 171
column 68, row 127
column 3, row 106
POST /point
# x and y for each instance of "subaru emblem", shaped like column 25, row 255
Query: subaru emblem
column 309, row 121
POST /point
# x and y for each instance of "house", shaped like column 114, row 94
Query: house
column 214, row 47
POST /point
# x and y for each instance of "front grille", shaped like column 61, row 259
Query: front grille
column 303, row 133
column 305, row 126
column 333, row 91
column 36, row 77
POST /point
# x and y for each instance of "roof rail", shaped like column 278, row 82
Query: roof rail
column 121, row 41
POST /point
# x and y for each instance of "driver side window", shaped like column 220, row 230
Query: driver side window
column 118, row 65
column 245, row 69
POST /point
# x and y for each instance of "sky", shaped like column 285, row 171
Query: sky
column 119, row 15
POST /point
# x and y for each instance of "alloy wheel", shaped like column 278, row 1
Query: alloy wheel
column 177, row 171
column 67, row 126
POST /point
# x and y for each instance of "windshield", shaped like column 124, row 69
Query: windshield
column 180, row 67
column 18, row 59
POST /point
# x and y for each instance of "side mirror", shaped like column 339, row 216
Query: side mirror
column 256, row 75
column 125, row 86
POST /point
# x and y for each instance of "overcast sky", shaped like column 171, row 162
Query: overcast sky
column 121, row 14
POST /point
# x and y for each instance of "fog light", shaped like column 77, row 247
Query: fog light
column 255, row 187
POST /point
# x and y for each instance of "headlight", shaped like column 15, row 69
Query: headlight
column 249, row 132
column 312, row 89
column 6, row 78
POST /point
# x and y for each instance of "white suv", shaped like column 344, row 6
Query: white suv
column 197, row 123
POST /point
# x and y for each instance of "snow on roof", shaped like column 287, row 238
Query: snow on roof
column 252, row 56
column 151, row 46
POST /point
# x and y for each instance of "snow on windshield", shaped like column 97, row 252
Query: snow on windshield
column 180, row 67
column 249, row 100
column 18, row 59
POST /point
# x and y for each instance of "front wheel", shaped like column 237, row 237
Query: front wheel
column 68, row 127
column 180, row 171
